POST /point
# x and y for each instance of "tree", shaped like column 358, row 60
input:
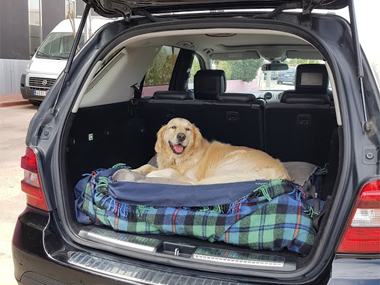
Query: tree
column 160, row 72
column 194, row 69
column 297, row 61
column 224, row 65
column 245, row 70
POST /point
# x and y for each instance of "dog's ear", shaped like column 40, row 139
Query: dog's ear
column 198, row 138
column 160, row 139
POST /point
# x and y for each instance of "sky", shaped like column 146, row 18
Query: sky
column 367, row 11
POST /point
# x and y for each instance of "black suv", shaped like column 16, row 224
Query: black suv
column 89, row 220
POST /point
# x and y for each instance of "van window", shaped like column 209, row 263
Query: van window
column 57, row 46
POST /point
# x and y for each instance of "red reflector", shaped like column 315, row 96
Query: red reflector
column 362, row 233
column 370, row 196
column 29, row 161
column 31, row 184
column 34, row 196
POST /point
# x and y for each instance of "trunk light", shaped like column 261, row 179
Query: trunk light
column 362, row 234
column 31, row 183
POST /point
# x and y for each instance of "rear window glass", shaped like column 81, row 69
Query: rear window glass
column 247, row 76
column 160, row 71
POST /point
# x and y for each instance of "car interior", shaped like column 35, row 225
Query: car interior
column 112, row 122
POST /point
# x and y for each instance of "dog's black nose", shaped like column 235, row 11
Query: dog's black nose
column 181, row 137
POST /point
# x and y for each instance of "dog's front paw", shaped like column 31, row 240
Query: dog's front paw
column 147, row 168
column 164, row 173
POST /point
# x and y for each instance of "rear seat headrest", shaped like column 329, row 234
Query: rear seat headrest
column 311, row 79
column 208, row 83
column 173, row 95
column 316, row 99
column 236, row 98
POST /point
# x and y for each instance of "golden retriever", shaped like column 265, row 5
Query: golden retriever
column 183, row 154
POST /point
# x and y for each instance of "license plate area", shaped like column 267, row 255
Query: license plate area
column 41, row 92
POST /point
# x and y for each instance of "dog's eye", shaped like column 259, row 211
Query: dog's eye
column 187, row 129
column 174, row 127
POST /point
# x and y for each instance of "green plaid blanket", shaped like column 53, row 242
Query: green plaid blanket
column 272, row 215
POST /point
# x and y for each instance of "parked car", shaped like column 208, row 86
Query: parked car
column 88, row 219
column 273, row 75
column 288, row 76
column 51, row 57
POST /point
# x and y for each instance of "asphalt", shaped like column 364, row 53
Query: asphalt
column 14, row 122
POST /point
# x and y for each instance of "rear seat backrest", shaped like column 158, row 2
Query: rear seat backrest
column 165, row 105
column 236, row 98
column 234, row 118
column 208, row 83
column 300, row 127
column 237, row 119
column 173, row 95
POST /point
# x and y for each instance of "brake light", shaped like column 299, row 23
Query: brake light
column 362, row 234
column 31, row 184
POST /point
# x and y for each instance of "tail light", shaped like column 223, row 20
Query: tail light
column 31, row 184
column 362, row 234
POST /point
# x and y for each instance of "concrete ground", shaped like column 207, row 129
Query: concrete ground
column 14, row 122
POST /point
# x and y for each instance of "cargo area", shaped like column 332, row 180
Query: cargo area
column 116, row 121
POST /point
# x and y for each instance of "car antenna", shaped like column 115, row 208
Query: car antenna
column 359, row 61
column 71, row 56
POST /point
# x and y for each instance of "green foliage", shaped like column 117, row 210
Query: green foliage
column 245, row 70
column 160, row 72
column 297, row 61
column 224, row 65
column 194, row 68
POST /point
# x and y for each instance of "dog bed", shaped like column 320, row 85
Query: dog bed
column 257, row 214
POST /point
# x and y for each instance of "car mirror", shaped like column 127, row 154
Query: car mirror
column 274, row 66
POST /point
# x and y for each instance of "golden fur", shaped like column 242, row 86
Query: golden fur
column 195, row 160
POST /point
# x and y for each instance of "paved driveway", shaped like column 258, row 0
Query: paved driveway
column 14, row 122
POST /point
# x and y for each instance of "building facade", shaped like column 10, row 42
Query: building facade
column 23, row 26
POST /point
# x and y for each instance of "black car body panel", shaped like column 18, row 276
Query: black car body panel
column 54, row 243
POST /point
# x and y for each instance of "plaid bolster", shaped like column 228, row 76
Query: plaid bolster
column 273, row 216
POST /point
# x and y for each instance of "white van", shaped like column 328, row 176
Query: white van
column 50, row 58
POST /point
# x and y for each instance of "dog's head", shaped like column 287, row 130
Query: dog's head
column 178, row 138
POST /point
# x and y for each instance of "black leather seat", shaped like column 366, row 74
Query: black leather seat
column 208, row 83
column 310, row 86
column 236, row 98
column 300, row 126
column 173, row 95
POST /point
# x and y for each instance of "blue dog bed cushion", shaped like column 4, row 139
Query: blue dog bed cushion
column 256, row 214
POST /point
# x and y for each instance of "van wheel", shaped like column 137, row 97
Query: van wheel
column 35, row 103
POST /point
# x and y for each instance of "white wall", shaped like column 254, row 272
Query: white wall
column 10, row 75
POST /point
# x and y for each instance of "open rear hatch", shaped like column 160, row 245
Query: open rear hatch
column 116, row 8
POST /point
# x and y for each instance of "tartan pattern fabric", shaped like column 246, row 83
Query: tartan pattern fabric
column 272, row 215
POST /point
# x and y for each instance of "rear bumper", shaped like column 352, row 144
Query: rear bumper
column 42, row 256
column 32, row 263
column 355, row 271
